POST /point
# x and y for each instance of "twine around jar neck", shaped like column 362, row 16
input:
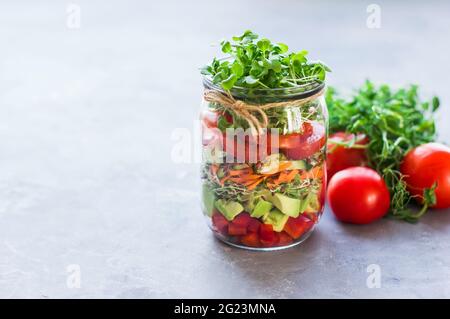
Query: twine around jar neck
column 250, row 112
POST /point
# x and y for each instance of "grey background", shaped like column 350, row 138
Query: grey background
column 86, row 176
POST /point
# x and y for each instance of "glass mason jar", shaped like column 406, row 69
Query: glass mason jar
column 263, row 164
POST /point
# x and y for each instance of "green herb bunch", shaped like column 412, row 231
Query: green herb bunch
column 395, row 122
column 258, row 63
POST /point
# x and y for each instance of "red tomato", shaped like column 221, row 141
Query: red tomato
column 300, row 146
column 358, row 195
column 209, row 118
column 243, row 219
column 247, row 148
column 228, row 117
column 251, row 240
column 253, row 226
column 341, row 157
column 209, row 135
column 220, row 223
column 267, row 236
column 285, row 239
column 425, row 165
column 236, row 230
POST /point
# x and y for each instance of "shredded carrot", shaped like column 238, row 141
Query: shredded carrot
column 214, row 169
column 252, row 186
column 223, row 180
column 243, row 179
column 316, row 172
column 286, row 176
column 240, row 172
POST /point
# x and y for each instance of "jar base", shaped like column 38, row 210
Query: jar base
column 265, row 249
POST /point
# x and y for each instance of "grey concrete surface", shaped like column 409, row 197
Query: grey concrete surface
column 86, row 177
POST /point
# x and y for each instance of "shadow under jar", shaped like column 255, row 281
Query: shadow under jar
column 263, row 165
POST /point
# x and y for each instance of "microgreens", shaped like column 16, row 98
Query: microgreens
column 251, row 62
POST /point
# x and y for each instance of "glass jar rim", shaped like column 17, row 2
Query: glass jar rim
column 287, row 93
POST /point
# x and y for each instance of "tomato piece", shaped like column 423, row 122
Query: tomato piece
column 209, row 118
column 251, row 240
column 296, row 227
column 285, row 239
column 340, row 157
column 245, row 148
column 242, row 220
column 253, row 226
column 300, row 146
column 209, row 136
column 425, row 165
column 358, row 195
column 267, row 236
column 228, row 117
column 220, row 223
column 236, row 230
column 292, row 140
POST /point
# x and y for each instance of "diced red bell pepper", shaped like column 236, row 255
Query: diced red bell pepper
column 267, row 236
column 251, row 240
column 253, row 226
column 296, row 227
column 243, row 219
column 236, row 230
column 220, row 223
column 285, row 239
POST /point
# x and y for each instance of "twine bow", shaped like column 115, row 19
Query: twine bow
column 250, row 112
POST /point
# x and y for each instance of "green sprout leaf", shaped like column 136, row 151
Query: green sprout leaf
column 228, row 83
column 258, row 63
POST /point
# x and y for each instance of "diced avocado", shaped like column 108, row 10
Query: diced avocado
column 298, row 165
column 248, row 201
column 277, row 219
column 228, row 209
column 265, row 193
column 208, row 200
column 287, row 205
column 303, row 205
column 261, row 208
column 313, row 203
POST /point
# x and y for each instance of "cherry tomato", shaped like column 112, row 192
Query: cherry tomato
column 300, row 146
column 341, row 157
column 425, row 165
column 358, row 195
